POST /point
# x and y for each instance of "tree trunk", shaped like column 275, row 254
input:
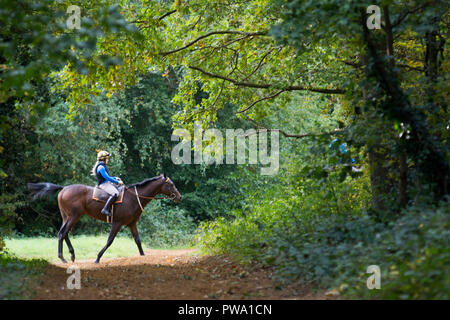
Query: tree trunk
column 378, row 172
column 403, row 160
column 435, row 47
column 403, row 181
column 379, row 180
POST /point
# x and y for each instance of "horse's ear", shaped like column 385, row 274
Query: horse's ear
column 165, row 177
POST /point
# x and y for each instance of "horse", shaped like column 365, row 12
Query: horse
column 76, row 200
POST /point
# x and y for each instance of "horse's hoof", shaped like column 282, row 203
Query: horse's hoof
column 73, row 259
column 97, row 261
column 63, row 260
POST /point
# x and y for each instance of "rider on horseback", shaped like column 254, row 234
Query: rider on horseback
column 105, row 181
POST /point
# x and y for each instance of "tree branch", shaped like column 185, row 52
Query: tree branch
column 262, row 99
column 297, row 136
column 406, row 13
column 246, row 34
column 265, row 85
column 159, row 19
column 352, row 64
column 260, row 63
column 167, row 14
column 404, row 65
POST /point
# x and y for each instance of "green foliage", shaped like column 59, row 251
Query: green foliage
column 256, row 54
column 36, row 40
column 165, row 226
column 17, row 274
column 8, row 216
column 135, row 127
column 310, row 183
column 242, row 64
column 334, row 251
column 385, row 91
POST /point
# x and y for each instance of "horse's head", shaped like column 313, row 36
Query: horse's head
column 168, row 188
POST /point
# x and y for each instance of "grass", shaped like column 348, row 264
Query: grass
column 86, row 247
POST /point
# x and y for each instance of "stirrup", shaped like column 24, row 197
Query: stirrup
column 106, row 212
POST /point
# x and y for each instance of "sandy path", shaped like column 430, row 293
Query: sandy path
column 167, row 274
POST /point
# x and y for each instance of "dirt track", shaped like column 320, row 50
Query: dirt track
column 167, row 274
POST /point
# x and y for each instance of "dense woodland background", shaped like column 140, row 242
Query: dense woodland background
column 137, row 70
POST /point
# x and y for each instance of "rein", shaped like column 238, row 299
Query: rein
column 145, row 197
column 172, row 196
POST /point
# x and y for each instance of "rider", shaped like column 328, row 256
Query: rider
column 105, row 181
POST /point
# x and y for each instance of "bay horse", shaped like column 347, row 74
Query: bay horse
column 76, row 200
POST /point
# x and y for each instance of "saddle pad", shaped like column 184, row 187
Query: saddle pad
column 102, row 196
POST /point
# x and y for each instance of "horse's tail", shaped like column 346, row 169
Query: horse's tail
column 42, row 189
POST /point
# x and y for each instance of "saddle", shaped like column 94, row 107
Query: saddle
column 102, row 196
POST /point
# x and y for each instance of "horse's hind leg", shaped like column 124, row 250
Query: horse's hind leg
column 64, row 235
column 69, row 245
column 61, row 232
column 60, row 241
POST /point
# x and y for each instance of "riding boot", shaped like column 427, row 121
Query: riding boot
column 107, row 209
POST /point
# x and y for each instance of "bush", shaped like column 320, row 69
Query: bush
column 165, row 225
column 16, row 273
column 334, row 251
column 8, row 216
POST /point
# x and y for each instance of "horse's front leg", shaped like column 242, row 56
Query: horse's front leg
column 112, row 234
column 135, row 233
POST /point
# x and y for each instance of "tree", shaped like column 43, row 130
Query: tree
column 34, row 41
column 254, row 56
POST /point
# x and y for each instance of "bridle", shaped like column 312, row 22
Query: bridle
column 171, row 197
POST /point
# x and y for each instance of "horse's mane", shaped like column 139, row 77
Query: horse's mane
column 143, row 182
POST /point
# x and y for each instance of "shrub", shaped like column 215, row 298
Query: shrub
column 165, row 225
column 8, row 205
column 334, row 251
column 15, row 275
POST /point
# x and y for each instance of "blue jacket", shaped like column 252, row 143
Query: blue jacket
column 102, row 172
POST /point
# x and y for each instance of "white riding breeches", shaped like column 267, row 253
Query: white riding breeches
column 110, row 188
